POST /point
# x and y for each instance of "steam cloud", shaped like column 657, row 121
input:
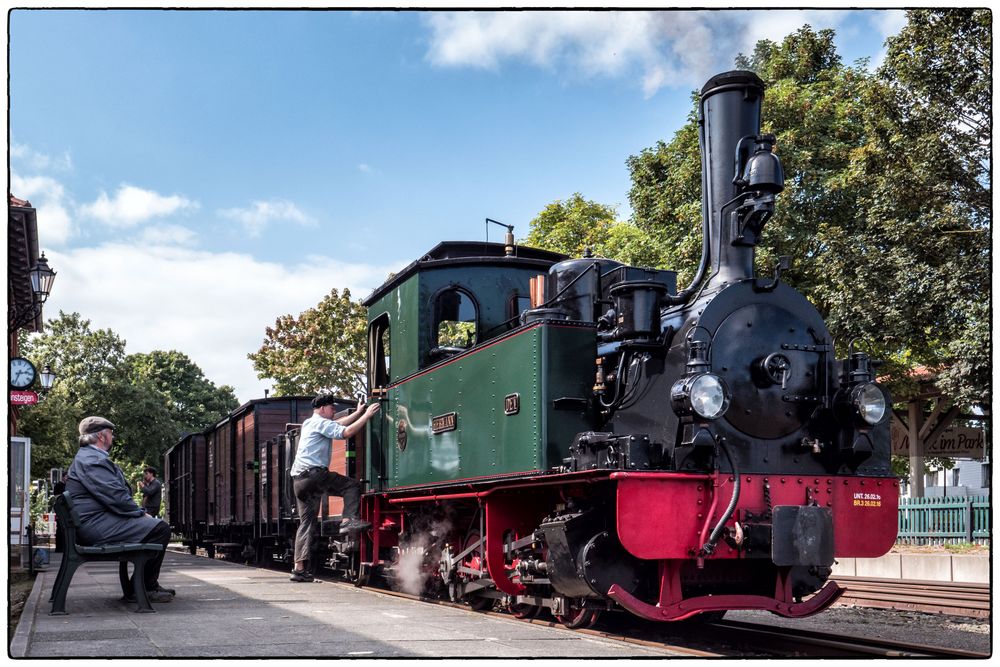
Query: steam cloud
column 418, row 557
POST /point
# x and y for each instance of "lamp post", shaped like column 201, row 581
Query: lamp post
column 47, row 377
column 42, row 277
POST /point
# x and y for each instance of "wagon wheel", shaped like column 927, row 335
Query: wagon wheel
column 578, row 616
column 474, row 561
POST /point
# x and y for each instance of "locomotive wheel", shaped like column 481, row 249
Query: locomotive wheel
column 578, row 616
column 474, row 561
column 524, row 611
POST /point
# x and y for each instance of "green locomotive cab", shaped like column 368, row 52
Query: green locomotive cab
column 468, row 391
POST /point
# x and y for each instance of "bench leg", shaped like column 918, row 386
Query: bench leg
column 62, row 586
column 139, row 586
column 126, row 582
column 59, row 577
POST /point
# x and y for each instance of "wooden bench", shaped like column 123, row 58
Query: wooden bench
column 75, row 555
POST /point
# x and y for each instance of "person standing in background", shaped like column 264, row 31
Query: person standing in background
column 152, row 492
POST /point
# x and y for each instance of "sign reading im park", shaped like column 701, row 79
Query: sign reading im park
column 958, row 441
column 19, row 397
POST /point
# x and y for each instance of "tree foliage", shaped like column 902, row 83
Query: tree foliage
column 933, row 185
column 194, row 401
column 96, row 377
column 575, row 225
column 323, row 349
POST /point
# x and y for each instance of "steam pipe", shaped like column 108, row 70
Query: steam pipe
column 683, row 295
column 709, row 545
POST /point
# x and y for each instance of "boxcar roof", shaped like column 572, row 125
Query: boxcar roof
column 272, row 399
column 457, row 253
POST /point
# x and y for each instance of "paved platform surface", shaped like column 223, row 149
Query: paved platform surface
column 229, row 610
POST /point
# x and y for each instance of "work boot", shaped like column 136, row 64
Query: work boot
column 154, row 595
column 353, row 526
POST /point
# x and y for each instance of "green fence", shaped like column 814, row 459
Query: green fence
column 944, row 520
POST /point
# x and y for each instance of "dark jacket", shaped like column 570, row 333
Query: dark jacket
column 103, row 500
column 151, row 496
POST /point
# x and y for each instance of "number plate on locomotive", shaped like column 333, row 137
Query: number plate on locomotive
column 446, row 422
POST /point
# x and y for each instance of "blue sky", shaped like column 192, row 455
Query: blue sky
column 198, row 173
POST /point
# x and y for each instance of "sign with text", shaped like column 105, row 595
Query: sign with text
column 957, row 441
column 23, row 397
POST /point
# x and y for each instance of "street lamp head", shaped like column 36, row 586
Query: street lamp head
column 48, row 378
column 42, row 278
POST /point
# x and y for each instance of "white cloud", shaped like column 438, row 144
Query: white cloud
column 262, row 213
column 26, row 157
column 47, row 195
column 599, row 41
column 168, row 235
column 658, row 48
column 133, row 206
column 367, row 169
column 214, row 307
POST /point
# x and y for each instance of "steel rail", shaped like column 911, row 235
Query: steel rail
column 788, row 641
column 951, row 598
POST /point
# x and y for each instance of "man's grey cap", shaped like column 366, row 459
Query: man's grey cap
column 94, row 424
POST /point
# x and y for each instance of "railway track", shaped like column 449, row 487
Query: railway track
column 729, row 638
column 956, row 599
column 785, row 641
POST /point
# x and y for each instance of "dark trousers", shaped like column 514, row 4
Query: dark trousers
column 160, row 534
column 309, row 488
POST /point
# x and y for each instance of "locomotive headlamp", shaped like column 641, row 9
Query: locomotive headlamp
column 869, row 401
column 705, row 395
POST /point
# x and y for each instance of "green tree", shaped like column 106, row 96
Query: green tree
column 194, row 401
column 927, row 172
column 574, row 225
column 96, row 377
column 323, row 349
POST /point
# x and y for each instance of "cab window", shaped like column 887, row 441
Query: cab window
column 378, row 352
column 455, row 321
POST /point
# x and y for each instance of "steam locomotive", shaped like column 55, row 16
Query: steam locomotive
column 580, row 435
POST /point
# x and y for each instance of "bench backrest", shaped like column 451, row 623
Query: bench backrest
column 69, row 518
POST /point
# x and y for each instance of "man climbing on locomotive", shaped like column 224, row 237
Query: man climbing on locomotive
column 311, row 476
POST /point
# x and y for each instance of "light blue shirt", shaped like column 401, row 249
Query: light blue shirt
column 314, row 443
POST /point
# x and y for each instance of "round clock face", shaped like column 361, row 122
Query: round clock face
column 22, row 373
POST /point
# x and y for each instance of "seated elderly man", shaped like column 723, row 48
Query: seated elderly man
column 104, row 502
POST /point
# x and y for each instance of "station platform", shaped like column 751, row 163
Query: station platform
column 225, row 609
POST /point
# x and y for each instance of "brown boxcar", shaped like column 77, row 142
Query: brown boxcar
column 186, row 482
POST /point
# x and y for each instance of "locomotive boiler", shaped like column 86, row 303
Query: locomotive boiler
column 581, row 435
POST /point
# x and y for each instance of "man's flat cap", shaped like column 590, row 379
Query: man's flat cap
column 323, row 399
column 94, row 424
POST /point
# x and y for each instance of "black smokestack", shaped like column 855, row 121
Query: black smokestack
column 729, row 112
